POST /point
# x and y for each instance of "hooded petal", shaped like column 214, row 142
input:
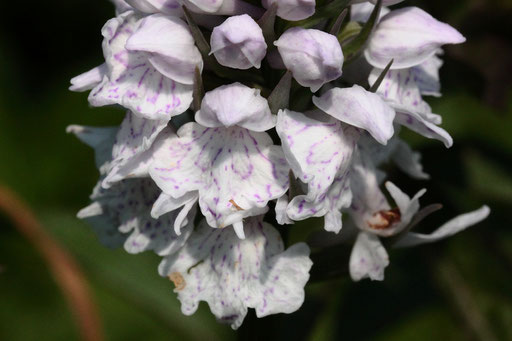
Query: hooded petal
column 236, row 171
column 250, row 110
column 238, row 43
column 448, row 229
column 368, row 258
column 409, row 36
column 360, row 108
column 232, row 275
column 88, row 80
column 132, row 81
column 135, row 136
column 170, row 46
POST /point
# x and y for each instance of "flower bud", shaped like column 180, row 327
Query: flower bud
column 314, row 57
column 238, row 43
column 292, row 10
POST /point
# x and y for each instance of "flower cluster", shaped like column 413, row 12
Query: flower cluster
column 301, row 109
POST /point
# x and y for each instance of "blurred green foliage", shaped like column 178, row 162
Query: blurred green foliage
column 459, row 289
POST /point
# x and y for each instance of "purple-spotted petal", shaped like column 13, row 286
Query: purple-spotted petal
column 127, row 206
column 328, row 205
column 235, row 105
column 409, row 36
column 132, row 81
column 235, row 171
column 427, row 76
column 360, row 108
column 448, row 229
column 319, row 153
column 418, row 123
column 166, row 203
column 401, row 87
column 88, row 80
column 232, row 275
column 135, row 136
column 368, row 259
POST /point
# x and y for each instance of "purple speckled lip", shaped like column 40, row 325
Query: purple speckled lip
column 240, row 273
column 219, row 163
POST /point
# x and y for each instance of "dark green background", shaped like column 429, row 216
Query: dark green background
column 430, row 292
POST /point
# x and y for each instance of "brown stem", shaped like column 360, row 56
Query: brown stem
column 66, row 271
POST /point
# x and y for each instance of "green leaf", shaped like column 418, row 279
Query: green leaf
column 379, row 80
column 336, row 27
column 354, row 47
column 198, row 92
column 351, row 29
column 280, row 96
column 322, row 14
column 266, row 23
